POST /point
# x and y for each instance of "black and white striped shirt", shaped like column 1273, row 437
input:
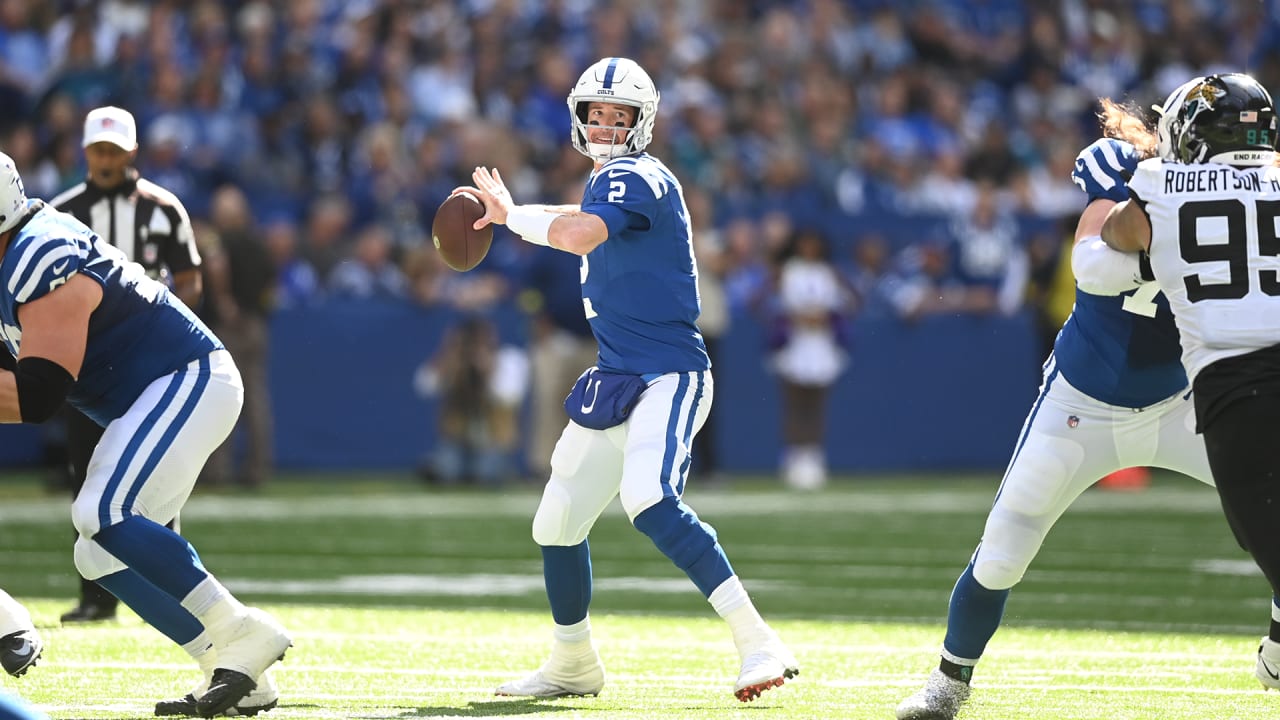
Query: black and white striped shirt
column 147, row 222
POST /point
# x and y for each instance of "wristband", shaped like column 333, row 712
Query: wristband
column 531, row 222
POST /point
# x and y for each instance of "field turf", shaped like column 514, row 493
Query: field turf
column 411, row 602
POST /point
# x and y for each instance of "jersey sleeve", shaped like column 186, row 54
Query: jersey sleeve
column 1146, row 180
column 42, row 265
column 172, row 223
column 180, row 251
column 622, row 198
column 1103, row 169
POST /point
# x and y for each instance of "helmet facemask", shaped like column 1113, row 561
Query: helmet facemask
column 1168, row 118
column 622, row 82
column 1227, row 119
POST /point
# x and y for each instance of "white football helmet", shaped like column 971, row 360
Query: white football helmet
column 1165, row 130
column 13, row 197
column 614, row 80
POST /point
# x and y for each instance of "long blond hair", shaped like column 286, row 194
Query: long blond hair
column 1128, row 122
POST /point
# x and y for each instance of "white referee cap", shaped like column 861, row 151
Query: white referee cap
column 111, row 124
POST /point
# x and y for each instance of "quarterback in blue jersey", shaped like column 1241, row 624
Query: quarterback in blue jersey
column 634, row 415
column 1114, row 396
column 83, row 325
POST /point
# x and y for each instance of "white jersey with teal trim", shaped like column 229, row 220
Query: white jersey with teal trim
column 640, row 287
column 139, row 331
column 1122, row 349
column 1215, row 250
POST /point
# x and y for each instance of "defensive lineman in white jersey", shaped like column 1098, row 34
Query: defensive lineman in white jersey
column 1114, row 395
column 634, row 415
column 1208, row 214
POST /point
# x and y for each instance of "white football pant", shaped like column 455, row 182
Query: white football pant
column 149, row 458
column 644, row 459
column 1068, row 443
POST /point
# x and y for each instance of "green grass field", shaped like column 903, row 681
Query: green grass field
column 408, row 602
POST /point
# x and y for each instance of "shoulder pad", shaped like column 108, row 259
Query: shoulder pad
column 1103, row 169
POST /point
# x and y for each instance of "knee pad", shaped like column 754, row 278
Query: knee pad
column 84, row 514
column 551, row 524
column 93, row 561
column 1006, row 552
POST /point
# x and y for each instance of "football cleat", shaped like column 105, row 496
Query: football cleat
column 263, row 698
column 19, row 651
column 253, row 643
column 766, row 667
column 939, row 699
column 1268, row 666
column 87, row 612
column 560, row 676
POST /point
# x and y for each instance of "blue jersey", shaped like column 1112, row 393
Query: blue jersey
column 138, row 333
column 1122, row 349
column 640, row 287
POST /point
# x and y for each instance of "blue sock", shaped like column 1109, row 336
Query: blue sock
column 152, row 604
column 161, row 556
column 567, row 574
column 974, row 616
column 689, row 542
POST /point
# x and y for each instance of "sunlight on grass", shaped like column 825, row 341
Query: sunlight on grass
column 370, row 662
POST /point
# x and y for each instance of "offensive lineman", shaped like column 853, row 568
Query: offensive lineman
column 151, row 227
column 90, row 328
column 1114, row 396
column 1206, row 212
column 634, row 415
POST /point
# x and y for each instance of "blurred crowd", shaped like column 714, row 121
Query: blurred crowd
column 918, row 150
column 929, row 143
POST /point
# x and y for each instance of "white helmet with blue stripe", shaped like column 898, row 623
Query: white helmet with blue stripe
column 614, row 80
column 13, row 197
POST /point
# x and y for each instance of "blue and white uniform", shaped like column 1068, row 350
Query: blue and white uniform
column 136, row 314
column 1114, row 396
column 1118, row 349
column 153, row 376
column 640, row 289
column 634, row 415
column 640, row 294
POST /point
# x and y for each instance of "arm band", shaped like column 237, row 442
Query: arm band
column 531, row 222
column 1100, row 270
column 43, row 386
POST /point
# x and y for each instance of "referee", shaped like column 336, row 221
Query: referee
column 151, row 227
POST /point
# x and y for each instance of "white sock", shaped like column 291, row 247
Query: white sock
column 200, row 647
column 13, row 616
column 732, row 603
column 213, row 605
column 575, row 634
column 729, row 596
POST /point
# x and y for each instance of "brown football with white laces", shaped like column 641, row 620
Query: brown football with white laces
column 460, row 245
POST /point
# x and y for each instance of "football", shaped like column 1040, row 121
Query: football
column 460, row 245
